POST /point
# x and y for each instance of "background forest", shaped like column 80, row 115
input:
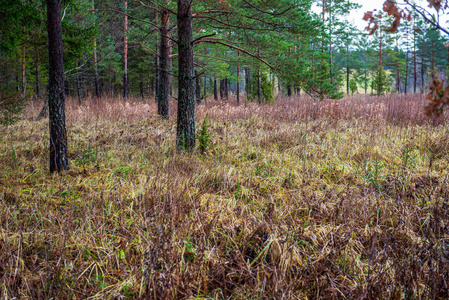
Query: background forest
column 231, row 149
column 293, row 48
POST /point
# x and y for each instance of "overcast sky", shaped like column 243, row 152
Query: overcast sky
column 357, row 15
column 370, row 5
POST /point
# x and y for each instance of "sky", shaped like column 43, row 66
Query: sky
column 357, row 15
column 370, row 5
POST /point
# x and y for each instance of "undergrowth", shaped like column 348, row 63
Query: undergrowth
column 335, row 199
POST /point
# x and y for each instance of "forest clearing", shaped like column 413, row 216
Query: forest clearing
column 336, row 199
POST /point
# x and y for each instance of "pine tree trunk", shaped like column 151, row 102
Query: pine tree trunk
column 97, row 88
column 164, row 67
column 125, row 52
column 247, row 82
column 238, row 84
column 366, row 79
column 259, row 87
column 38, row 89
column 222, row 89
column 406, row 73
column 422, row 68
column 226, row 88
column 56, row 97
column 79, row 87
column 215, row 89
column 23, row 69
column 380, row 53
column 414, row 62
column 205, row 89
column 289, row 90
column 156, row 60
column 347, row 67
column 186, row 106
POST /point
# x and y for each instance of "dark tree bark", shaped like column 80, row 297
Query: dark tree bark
column 164, row 67
column 38, row 89
column 347, row 67
column 238, row 85
column 215, row 89
column 205, row 89
column 186, row 104
column 406, row 73
column 259, row 88
column 125, row 53
column 156, row 60
column 289, row 90
column 97, row 89
column 227, row 82
column 415, row 72
column 222, row 83
column 58, row 135
column 422, row 67
column 366, row 78
column 79, row 85
column 23, row 68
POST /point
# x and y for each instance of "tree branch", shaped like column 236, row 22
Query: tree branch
column 202, row 37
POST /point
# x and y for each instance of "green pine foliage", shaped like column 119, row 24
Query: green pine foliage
column 381, row 83
column 204, row 136
column 353, row 85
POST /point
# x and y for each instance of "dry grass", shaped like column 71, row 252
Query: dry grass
column 337, row 199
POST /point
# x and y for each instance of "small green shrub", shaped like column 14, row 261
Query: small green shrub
column 204, row 136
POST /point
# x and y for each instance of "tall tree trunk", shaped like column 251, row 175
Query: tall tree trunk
column 259, row 87
column 186, row 105
column 414, row 62
column 238, row 83
column 156, row 60
column 247, row 82
column 347, row 66
column 380, row 52
column 125, row 52
column 406, row 73
column 226, row 90
column 97, row 88
column 366, row 79
column 58, row 135
column 330, row 45
column 38, row 89
column 397, row 66
column 422, row 67
column 205, row 89
column 79, row 87
column 215, row 89
column 222, row 89
column 289, row 90
column 23, row 68
column 164, row 67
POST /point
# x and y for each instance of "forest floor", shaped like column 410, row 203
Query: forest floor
column 302, row 199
